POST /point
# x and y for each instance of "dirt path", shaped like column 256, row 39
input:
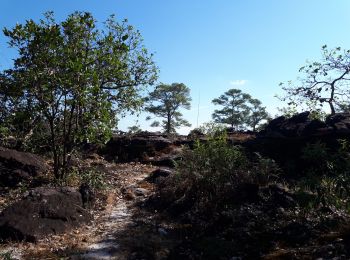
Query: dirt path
column 117, row 217
column 120, row 230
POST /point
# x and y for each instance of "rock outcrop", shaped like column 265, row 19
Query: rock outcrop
column 156, row 148
column 16, row 166
column 145, row 147
column 284, row 139
column 43, row 211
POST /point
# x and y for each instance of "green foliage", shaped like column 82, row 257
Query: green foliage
column 323, row 82
column 70, row 80
column 95, row 179
column 344, row 107
column 6, row 255
column 214, row 161
column 239, row 110
column 265, row 170
column 257, row 113
column 212, row 129
column 293, row 108
column 325, row 161
column 235, row 109
column 327, row 174
column 4, row 134
column 90, row 176
column 165, row 102
column 316, row 154
column 134, row 129
column 288, row 111
column 213, row 170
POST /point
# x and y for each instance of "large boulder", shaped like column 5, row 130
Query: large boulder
column 16, row 166
column 42, row 212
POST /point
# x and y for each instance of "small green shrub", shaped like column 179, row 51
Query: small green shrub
column 327, row 174
column 214, row 170
column 315, row 153
column 265, row 170
column 6, row 255
column 323, row 160
column 92, row 177
column 213, row 164
column 95, row 179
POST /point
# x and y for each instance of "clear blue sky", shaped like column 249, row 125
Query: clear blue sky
column 213, row 46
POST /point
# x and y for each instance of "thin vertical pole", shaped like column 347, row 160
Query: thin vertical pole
column 199, row 101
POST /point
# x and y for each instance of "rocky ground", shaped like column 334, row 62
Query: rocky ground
column 142, row 215
column 120, row 229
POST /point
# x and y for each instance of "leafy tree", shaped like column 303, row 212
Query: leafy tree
column 257, row 113
column 165, row 102
column 235, row 109
column 70, row 80
column 134, row 129
column 325, row 81
column 239, row 110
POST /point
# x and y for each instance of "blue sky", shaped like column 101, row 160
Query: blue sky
column 213, row 46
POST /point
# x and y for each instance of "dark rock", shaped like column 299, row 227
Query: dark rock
column 340, row 122
column 245, row 193
column 338, row 118
column 296, row 233
column 42, row 212
column 181, row 205
column 300, row 118
column 16, row 166
column 166, row 160
column 195, row 133
column 276, row 121
column 284, row 139
column 313, row 127
column 159, row 173
column 135, row 147
column 279, row 196
column 141, row 192
column 145, row 147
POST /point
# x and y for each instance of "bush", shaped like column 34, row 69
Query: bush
column 214, row 164
column 327, row 174
column 92, row 177
column 213, row 173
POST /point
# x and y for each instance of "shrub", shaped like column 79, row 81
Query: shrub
column 93, row 178
column 214, row 172
column 6, row 255
column 213, row 164
column 327, row 174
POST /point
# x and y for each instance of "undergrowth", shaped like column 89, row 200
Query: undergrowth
column 211, row 175
column 326, row 175
column 92, row 177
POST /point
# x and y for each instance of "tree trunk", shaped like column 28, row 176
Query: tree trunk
column 331, row 106
column 168, row 124
column 331, row 99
